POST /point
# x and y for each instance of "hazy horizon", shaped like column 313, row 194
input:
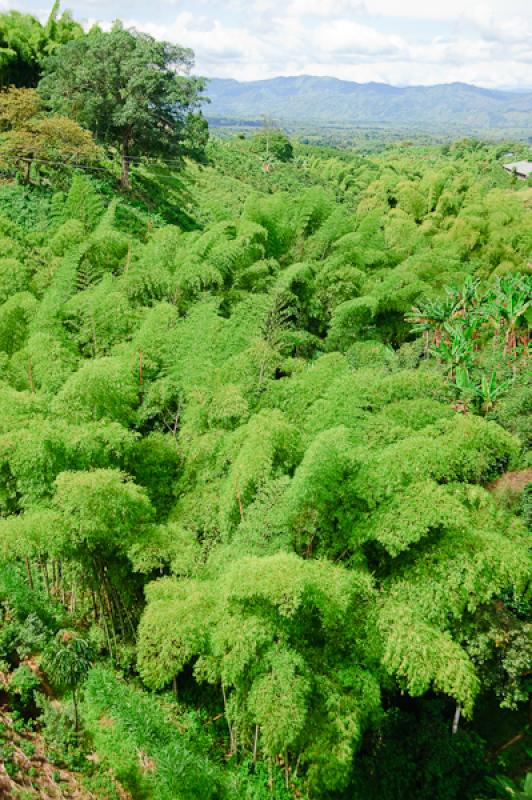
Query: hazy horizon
column 412, row 43
column 514, row 89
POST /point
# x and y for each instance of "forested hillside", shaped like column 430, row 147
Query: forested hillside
column 319, row 100
column 264, row 464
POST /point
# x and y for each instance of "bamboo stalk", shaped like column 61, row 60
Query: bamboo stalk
column 456, row 719
column 255, row 743
column 28, row 570
column 30, row 376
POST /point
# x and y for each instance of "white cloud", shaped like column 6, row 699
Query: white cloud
column 214, row 43
column 404, row 73
column 325, row 8
column 346, row 38
column 446, row 10
column 512, row 30
column 488, row 42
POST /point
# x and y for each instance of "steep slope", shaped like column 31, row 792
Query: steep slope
column 26, row 771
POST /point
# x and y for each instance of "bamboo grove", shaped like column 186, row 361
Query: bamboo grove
column 253, row 430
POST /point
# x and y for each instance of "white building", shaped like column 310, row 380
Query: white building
column 521, row 168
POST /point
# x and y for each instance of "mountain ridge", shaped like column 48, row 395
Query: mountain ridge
column 307, row 98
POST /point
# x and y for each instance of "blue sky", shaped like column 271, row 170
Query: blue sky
column 395, row 41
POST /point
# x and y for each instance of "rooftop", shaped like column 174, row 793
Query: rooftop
column 522, row 168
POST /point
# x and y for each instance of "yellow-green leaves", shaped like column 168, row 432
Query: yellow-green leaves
column 281, row 636
column 278, row 700
column 174, row 628
column 422, row 656
column 102, row 510
column 422, row 509
column 104, row 388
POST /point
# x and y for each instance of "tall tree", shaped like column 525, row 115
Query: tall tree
column 133, row 92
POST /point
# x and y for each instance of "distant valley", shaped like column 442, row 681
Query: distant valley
column 308, row 99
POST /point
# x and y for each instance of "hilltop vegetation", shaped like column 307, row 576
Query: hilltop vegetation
column 253, row 411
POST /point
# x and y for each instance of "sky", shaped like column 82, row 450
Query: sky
column 402, row 42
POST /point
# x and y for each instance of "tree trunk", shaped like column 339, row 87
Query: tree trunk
column 30, row 376
column 28, row 570
column 240, row 505
column 26, row 170
column 232, row 740
column 94, row 606
column 124, row 180
column 128, row 259
column 61, row 581
column 456, row 720
column 76, row 714
column 44, row 571
column 141, row 378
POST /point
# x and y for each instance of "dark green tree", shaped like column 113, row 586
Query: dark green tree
column 273, row 144
column 133, row 92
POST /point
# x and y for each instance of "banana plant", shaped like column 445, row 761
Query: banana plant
column 484, row 391
column 432, row 315
column 429, row 318
column 456, row 348
column 466, row 300
column 491, row 390
column 508, row 306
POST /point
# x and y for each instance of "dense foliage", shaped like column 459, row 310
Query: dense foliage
column 263, row 441
column 25, row 43
column 132, row 91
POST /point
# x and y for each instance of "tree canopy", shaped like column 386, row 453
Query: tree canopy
column 131, row 91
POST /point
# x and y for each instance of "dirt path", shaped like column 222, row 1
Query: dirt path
column 511, row 481
column 26, row 772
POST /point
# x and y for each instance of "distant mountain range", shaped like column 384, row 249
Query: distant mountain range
column 307, row 99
